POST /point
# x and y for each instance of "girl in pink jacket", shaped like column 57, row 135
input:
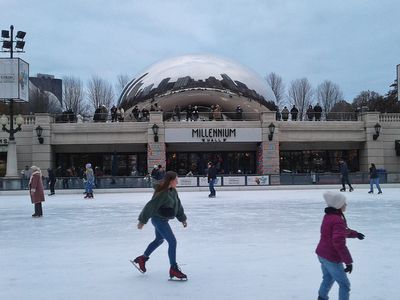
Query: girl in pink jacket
column 332, row 250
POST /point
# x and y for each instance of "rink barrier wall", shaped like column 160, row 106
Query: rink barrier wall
column 123, row 182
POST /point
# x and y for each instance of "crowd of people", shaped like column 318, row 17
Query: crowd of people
column 312, row 113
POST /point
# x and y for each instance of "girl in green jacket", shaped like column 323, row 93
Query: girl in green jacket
column 165, row 205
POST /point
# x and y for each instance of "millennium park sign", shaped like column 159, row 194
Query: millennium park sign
column 212, row 135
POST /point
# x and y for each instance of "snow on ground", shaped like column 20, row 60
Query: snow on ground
column 241, row 245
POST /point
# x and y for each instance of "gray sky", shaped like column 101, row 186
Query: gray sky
column 354, row 43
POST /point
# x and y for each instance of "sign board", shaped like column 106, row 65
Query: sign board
column 258, row 180
column 14, row 79
column 212, row 135
column 234, row 180
column 204, row 182
column 187, row 181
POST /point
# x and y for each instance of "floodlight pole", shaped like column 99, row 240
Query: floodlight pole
column 12, row 41
column 12, row 165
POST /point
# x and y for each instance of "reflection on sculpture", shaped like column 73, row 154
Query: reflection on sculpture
column 201, row 80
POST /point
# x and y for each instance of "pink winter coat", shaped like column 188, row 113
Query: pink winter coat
column 36, row 187
column 334, row 231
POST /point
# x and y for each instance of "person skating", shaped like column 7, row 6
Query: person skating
column 332, row 250
column 89, row 183
column 373, row 179
column 165, row 205
column 52, row 181
column 36, row 191
column 211, row 177
column 344, row 175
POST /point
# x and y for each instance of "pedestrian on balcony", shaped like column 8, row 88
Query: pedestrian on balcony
column 285, row 114
column 317, row 112
column 294, row 112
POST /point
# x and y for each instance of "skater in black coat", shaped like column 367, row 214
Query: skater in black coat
column 344, row 175
column 212, row 177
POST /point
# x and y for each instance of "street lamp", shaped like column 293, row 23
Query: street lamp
column 377, row 131
column 155, row 132
column 39, row 131
column 8, row 46
column 271, row 129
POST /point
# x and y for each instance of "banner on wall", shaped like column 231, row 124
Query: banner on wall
column 187, row 181
column 258, row 180
column 234, row 180
column 204, row 182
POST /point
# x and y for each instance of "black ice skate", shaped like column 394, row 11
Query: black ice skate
column 351, row 189
column 176, row 274
column 140, row 263
column 342, row 189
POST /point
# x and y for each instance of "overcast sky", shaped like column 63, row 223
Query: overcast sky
column 354, row 43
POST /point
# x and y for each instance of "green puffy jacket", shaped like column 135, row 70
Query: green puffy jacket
column 165, row 205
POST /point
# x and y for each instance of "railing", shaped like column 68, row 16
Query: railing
column 65, row 183
column 389, row 117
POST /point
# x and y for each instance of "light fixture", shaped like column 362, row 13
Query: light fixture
column 377, row 131
column 155, row 132
column 4, row 121
column 7, row 45
column 20, row 34
column 5, row 34
column 271, row 128
column 39, row 131
column 20, row 45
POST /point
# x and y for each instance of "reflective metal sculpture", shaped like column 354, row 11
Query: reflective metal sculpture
column 197, row 80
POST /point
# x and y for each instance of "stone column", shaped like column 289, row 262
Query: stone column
column 268, row 151
column 42, row 153
column 156, row 151
column 373, row 151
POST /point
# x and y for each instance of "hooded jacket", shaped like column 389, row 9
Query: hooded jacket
column 334, row 231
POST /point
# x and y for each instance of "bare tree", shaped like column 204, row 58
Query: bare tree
column 277, row 86
column 100, row 92
column 122, row 81
column 300, row 94
column 73, row 95
column 328, row 94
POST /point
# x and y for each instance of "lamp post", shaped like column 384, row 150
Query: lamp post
column 271, row 129
column 8, row 46
column 155, row 132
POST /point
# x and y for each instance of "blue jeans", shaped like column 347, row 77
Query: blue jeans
column 332, row 272
column 375, row 181
column 163, row 231
column 89, row 187
column 211, row 186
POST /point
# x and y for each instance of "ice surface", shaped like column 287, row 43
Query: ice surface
column 240, row 245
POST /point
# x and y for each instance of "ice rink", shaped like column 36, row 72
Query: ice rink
column 240, row 245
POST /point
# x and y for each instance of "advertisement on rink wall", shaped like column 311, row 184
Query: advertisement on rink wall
column 258, row 180
column 187, row 181
column 234, row 180
column 204, row 182
column 14, row 79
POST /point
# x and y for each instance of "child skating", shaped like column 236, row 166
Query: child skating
column 332, row 250
column 165, row 205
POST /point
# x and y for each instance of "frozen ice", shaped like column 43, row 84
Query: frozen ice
column 256, row 244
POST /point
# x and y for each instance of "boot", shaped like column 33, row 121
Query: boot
column 140, row 263
column 174, row 271
column 343, row 189
column 351, row 189
column 86, row 196
column 370, row 192
column 91, row 195
column 380, row 192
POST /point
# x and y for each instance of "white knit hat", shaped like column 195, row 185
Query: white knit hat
column 88, row 165
column 334, row 199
